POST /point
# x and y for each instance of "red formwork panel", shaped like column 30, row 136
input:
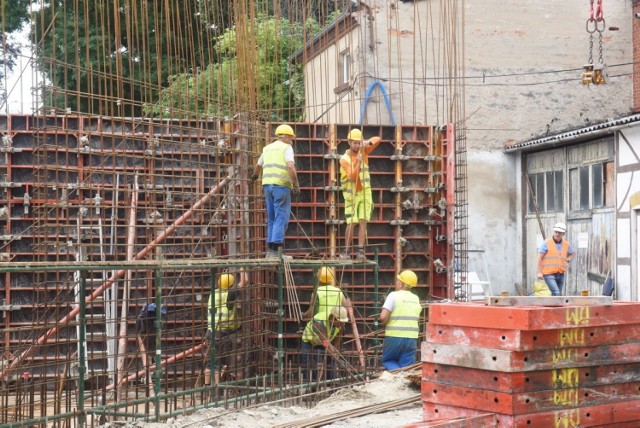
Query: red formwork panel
column 531, row 381
column 533, row 317
column 622, row 414
column 528, row 402
column 499, row 360
column 525, row 340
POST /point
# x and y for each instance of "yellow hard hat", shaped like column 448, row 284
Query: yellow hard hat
column 226, row 281
column 355, row 135
column 408, row 277
column 340, row 313
column 326, row 275
column 284, row 129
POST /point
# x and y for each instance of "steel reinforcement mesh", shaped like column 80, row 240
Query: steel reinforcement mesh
column 135, row 212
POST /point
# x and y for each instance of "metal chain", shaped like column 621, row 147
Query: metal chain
column 591, row 48
column 600, row 59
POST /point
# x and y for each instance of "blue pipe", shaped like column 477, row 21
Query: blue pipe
column 386, row 101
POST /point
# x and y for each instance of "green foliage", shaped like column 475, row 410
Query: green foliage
column 258, row 79
column 15, row 14
column 112, row 61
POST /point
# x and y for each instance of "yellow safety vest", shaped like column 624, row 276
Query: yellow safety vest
column 310, row 334
column 327, row 296
column 554, row 262
column 349, row 185
column 274, row 167
column 403, row 321
column 226, row 320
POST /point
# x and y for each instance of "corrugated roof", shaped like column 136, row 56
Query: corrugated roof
column 587, row 132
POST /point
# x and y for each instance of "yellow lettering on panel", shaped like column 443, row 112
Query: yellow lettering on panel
column 564, row 355
column 567, row 419
column 572, row 337
column 578, row 315
column 566, row 378
column 565, row 397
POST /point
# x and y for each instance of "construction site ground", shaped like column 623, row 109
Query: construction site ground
column 386, row 388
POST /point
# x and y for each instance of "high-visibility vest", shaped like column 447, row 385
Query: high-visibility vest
column 554, row 262
column 274, row 167
column 226, row 319
column 349, row 186
column 310, row 334
column 327, row 296
column 404, row 319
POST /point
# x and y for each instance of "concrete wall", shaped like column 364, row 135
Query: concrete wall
column 522, row 69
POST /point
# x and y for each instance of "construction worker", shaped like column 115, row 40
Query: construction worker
column 321, row 339
column 356, row 189
column 401, row 315
column 222, row 317
column 326, row 296
column 554, row 255
column 279, row 180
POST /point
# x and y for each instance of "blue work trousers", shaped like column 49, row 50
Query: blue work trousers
column 555, row 282
column 398, row 352
column 315, row 361
column 278, row 202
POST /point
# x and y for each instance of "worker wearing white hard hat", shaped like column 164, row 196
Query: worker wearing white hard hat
column 356, row 189
column 554, row 255
column 279, row 181
column 401, row 317
column 320, row 344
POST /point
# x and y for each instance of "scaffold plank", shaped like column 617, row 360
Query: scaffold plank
column 524, row 340
column 513, row 382
column 622, row 414
column 514, row 361
column 533, row 317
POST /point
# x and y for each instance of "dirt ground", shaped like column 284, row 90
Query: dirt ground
column 387, row 387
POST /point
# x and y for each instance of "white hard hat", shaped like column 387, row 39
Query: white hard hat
column 340, row 313
column 560, row 227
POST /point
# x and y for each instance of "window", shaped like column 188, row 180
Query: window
column 344, row 65
column 546, row 192
column 588, row 186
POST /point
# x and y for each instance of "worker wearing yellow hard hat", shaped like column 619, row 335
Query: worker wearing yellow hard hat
column 279, row 181
column 326, row 296
column 400, row 316
column 223, row 322
column 356, row 189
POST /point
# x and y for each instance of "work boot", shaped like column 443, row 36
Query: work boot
column 281, row 255
column 360, row 256
column 344, row 256
column 271, row 254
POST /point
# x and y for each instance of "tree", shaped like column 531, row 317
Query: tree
column 252, row 74
column 112, row 57
column 14, row 14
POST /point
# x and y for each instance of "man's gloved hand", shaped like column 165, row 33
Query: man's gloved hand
column 254, row 177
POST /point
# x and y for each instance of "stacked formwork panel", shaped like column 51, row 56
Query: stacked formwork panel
column 568, row 366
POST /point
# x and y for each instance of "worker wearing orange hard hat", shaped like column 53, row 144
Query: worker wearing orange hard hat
column 356, row 189
column 401, row 316
column 279, row 181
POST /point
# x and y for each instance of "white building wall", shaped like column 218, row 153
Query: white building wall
column 522, row 68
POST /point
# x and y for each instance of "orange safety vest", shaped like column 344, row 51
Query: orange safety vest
column 552, row 262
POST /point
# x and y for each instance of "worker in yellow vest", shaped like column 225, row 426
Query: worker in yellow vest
column 320, row 343
column 223, row 319
column 554, row 255
column 279, row 180
column 326, row 296
column 356, row 189
column 400, row 316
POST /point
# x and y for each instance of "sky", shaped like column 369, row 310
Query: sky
column 19, row 82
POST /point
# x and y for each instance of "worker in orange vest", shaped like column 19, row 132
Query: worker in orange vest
column 554, row 255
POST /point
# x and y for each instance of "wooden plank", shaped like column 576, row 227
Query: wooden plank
column 484, row 421
column 622, row 414
column 524, row 340
column 499, row 360
column 527, row 402
column 517, row 382
column 548, row 300
column 470, row 314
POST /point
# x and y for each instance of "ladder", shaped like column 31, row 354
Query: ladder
column 100, row 317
